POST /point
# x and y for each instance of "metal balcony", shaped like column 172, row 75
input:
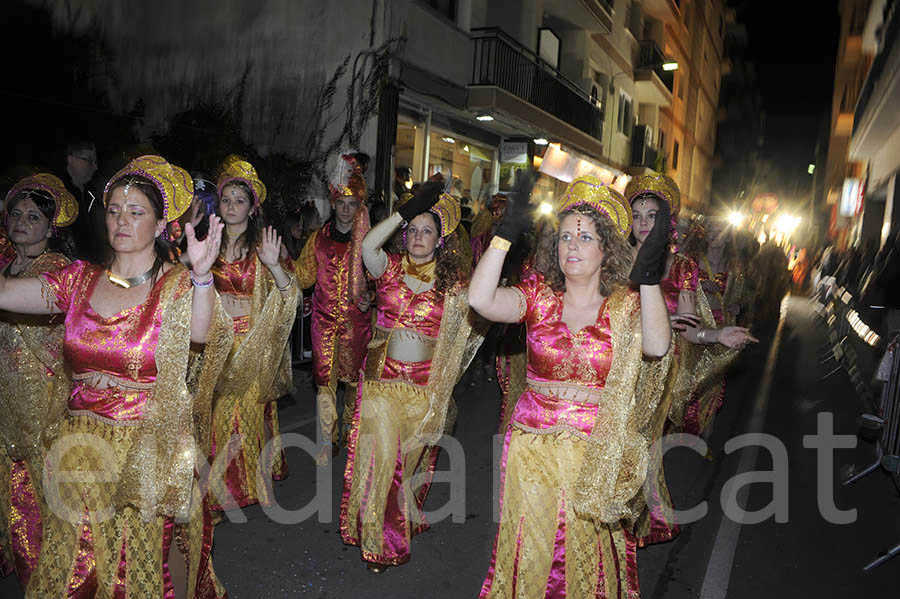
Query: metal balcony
column 651, row 58
column 502, row 62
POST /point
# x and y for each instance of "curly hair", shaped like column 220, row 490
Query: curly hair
column 617, row 254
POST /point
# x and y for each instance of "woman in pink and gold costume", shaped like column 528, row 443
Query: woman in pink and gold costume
column 125, row 513
column 577, row 448
column 721, row 282
column 260, row 294
column 423, row 341
column 341, row 326
column 34, row 383
column 646, row 193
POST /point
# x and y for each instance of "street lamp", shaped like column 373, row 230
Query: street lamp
column 670, row 65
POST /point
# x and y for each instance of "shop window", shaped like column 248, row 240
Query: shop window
column 469, row 165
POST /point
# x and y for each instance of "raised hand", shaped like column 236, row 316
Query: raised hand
column 650, row 262
column 735, row 337
column 517, row 216
column 269, row 250
column 202, row 254
column 427, row 196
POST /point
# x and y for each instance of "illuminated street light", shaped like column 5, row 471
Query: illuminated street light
column 484, row 118
column 735, row 218
column 545, row 208
column 787, row 224
column 811, row 169
column 670, row 65
column 541, row 141
column 449, row 140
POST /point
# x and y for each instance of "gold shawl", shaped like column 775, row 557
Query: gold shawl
column 616, row 462
column 174, row 434
column 33, row 402
column 460, row 336
column 700, row 366
column 261, row 364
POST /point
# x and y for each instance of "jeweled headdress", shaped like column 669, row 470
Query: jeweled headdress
column 173, row 182
column 591, row 191
column 660, row 185
column 349, row 180
column 236, row 169
column 449, row 213
column 66, row 207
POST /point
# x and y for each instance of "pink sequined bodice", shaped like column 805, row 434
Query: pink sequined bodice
column 556, row 354
column 683, row 276
column 235, row 278
column 398, row 305
column 122, row 345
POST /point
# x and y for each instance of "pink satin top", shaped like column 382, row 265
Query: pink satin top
column 122, row 345
column 235, row 278
column 554, row 352
column 683, row 276
column 399, row 306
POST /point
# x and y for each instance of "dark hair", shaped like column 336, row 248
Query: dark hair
column 252, row 235
column 61, row 239
column 164, row 249
column 79, row 145
column 617, row 255
column 696, row 246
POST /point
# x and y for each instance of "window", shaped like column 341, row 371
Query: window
column 598, row 88
column 625, row 116
column 675, row 156
column 662, row 141
column 446, row 7
column 681, row 87
column 548, row 47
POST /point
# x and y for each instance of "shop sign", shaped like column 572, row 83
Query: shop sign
column 516, row 152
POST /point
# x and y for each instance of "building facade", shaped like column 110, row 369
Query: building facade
column 475, row 88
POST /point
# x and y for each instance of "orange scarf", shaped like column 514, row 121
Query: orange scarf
column 423, row 272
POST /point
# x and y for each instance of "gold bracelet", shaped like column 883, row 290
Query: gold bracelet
column 498, row 243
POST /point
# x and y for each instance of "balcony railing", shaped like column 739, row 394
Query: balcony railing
column 502, row 62
column 651, row 58
column 889, row 34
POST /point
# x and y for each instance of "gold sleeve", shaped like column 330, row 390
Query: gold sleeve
column 305, row 265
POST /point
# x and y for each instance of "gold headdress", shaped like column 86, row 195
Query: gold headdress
column 449, row 212
column 173, row 182
column 657, row 184
column 591, row 191
column 66, row 207
column 349, row 180
column 237, row 169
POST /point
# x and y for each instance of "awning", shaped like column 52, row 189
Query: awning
column 567, row 165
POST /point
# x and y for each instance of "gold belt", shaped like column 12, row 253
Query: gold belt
column 568, row 392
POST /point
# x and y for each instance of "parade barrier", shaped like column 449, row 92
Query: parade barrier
column 836, row 311
column 300, row 343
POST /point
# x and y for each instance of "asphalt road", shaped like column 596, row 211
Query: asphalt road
column 778, row 390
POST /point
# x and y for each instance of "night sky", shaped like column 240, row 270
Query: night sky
column 794, row 44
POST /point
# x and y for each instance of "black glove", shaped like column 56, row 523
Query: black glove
column 650, row 263
column 427, row 196
column 517, row 216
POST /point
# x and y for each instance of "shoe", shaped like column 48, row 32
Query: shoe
column 376, row 568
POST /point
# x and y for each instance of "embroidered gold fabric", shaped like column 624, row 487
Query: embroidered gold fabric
column 34, row 383
column 460, row 336
column 257, row 371
column 700, row 367
column 538, row 515
column 617, row 458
